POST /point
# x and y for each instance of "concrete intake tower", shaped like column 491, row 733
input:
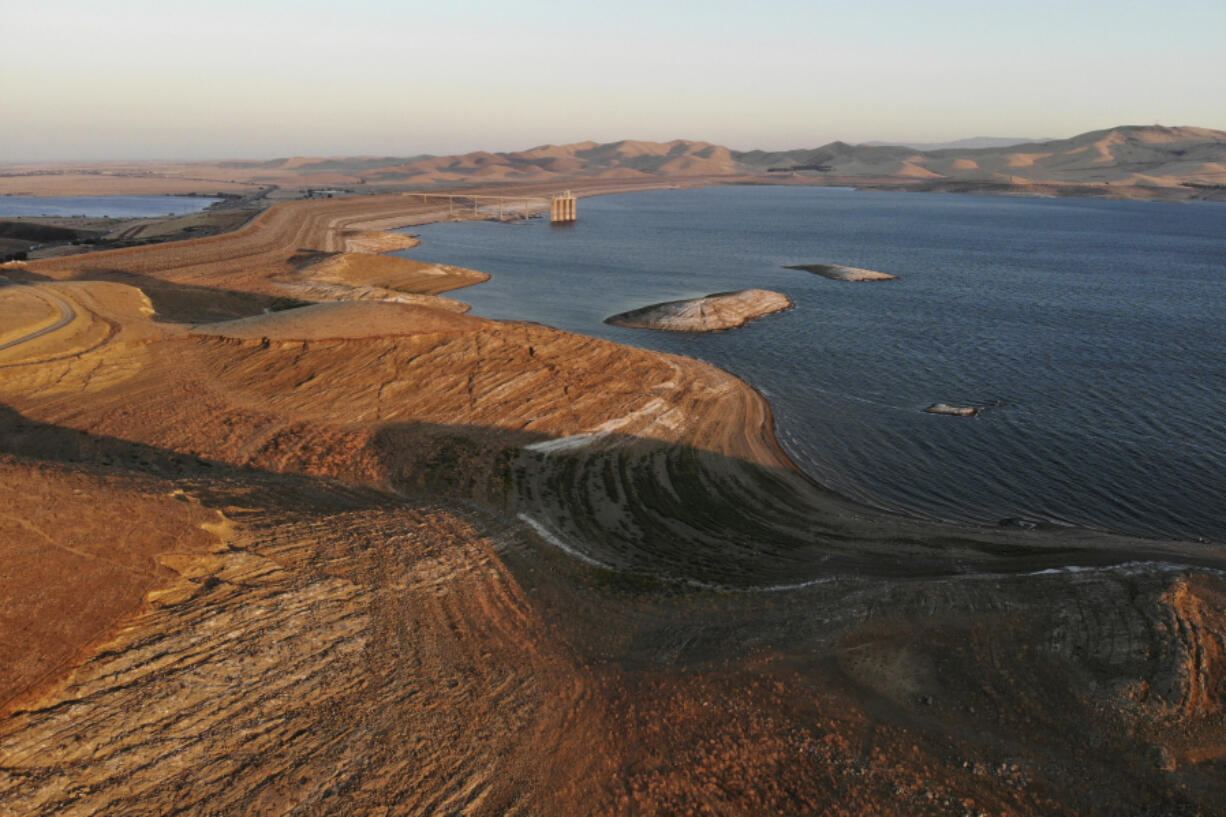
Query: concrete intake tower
column 562, row 208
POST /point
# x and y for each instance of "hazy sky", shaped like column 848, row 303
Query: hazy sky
column 260, row 78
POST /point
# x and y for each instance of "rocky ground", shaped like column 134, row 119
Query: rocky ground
column 713, row 313
column 838, row 272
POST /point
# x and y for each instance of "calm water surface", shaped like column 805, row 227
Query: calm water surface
column 96, row 206
column 1098, row 325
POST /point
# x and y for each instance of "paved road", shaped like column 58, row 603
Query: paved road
column 67, row 315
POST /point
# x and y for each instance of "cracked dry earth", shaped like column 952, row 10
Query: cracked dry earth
column 385, row 559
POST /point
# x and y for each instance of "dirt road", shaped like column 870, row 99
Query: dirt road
column 67, row 315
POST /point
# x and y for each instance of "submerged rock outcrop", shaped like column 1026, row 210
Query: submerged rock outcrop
column 956, row 411
column 838, row 272
column 723, row 310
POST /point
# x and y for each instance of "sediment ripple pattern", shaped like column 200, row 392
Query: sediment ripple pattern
column 364, row 657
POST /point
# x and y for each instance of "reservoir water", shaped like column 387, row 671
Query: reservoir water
column 100, row 206
column 1098, row 326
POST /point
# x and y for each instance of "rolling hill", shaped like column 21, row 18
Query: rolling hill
column 1126, row 161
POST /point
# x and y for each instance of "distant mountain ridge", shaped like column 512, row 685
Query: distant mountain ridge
column 1131, row 155
column 1145, row 161
column 1150, row 155
column 973, row 143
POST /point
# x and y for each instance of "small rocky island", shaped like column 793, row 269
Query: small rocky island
column 838, row 272
column 954, row 411
column 723, row 310
column 963, row 411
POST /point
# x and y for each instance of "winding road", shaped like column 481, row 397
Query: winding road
column 67, row 315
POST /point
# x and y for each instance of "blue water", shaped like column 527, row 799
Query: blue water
column 96, row 206
column 1099, row 325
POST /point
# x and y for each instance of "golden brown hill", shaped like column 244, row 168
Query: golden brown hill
column 1149, row 160
column 1130, row 161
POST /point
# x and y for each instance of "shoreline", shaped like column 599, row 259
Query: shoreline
column 1043, row 526
column 359, row 237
